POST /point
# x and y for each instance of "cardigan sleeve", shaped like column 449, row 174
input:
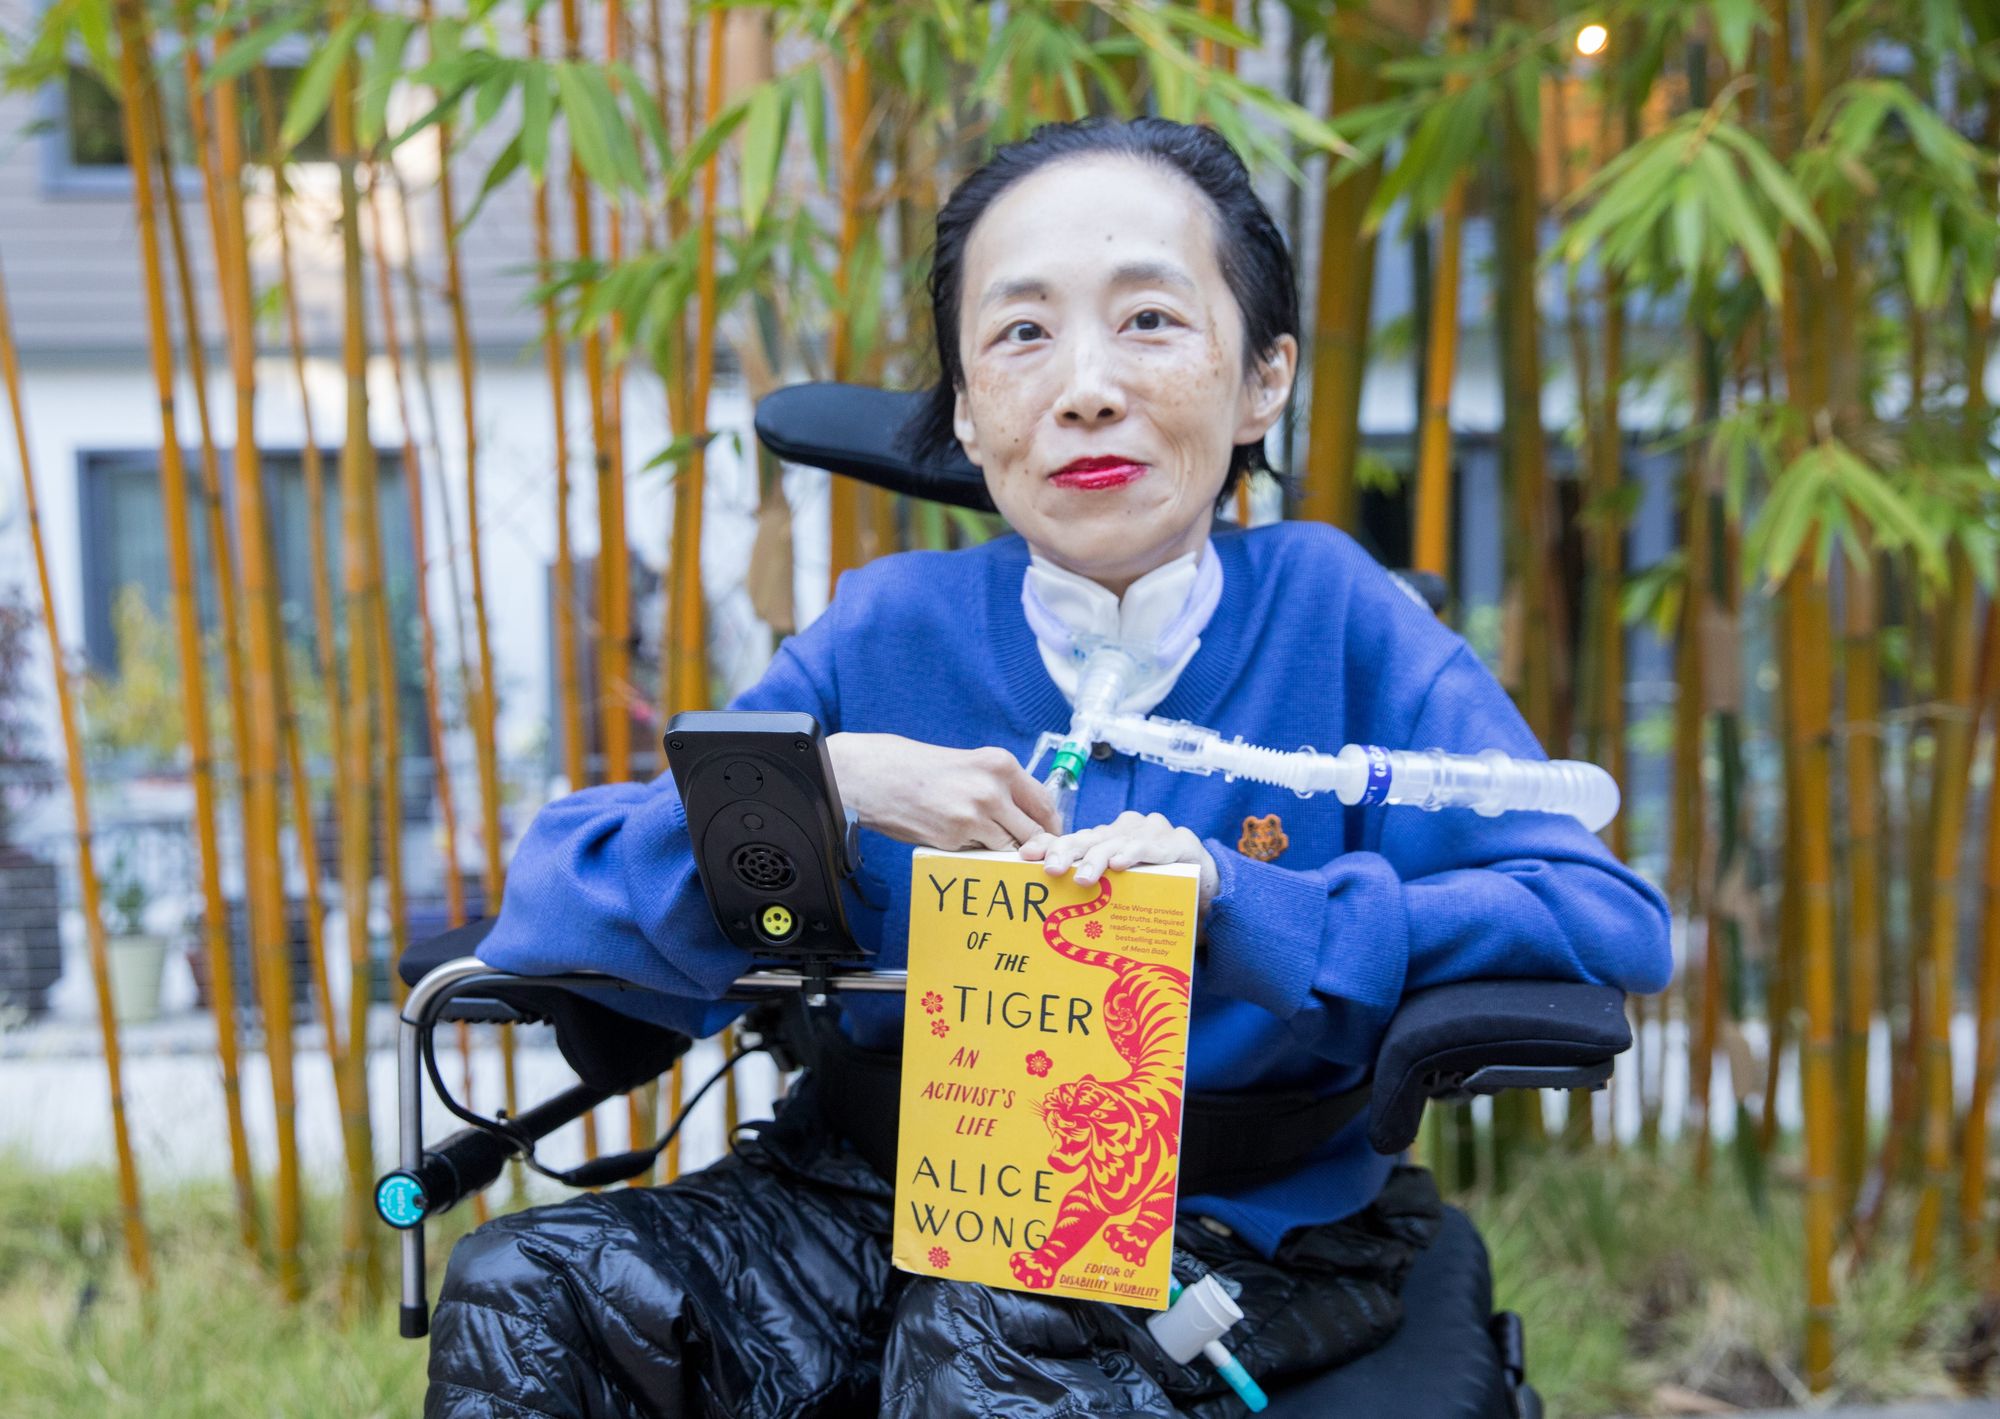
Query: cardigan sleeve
column 604, row 879
column 1441, row 896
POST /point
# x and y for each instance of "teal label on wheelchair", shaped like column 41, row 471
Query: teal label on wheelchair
column 400, row 1200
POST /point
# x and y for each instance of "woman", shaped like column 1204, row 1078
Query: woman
column 1117, row 328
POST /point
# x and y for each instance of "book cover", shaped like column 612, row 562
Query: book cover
column 1044, row 1060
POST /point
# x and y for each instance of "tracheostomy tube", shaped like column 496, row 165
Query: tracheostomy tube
column 1488, row 782
column 1109, row 669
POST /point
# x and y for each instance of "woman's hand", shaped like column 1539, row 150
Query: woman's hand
column 938, row 797
column 1126, row 841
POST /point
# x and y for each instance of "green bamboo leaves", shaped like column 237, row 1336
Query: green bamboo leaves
column 1830, row 497
column 1676, row 206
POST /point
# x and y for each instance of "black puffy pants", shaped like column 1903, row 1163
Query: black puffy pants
column 760, row 1288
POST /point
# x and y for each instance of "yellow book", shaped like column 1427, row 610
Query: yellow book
column 1044, row 1060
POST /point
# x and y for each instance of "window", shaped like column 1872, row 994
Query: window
column 124, row 545
column 86, row 127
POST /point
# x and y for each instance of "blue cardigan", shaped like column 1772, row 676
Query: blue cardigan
column 1304, row 958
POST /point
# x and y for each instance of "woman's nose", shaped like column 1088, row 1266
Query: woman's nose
column 1092, row 394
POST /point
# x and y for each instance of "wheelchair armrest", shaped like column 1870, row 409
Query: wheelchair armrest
column 609, row 1050
column 420, row 958
column 1479, row 1037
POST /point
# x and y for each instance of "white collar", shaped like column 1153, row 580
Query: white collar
column 1159, row 618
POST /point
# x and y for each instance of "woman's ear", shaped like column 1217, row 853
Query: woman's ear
column 1265, row 389
column 961, row 426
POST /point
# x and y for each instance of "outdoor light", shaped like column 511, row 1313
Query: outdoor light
column 1591, row 39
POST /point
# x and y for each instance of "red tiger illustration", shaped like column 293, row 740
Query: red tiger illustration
column 1121, row 1134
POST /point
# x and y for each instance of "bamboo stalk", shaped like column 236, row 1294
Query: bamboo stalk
column 1862, row 751
column 420, row 360
column 420, row 366
column 1523, row 437
column 482, row 710
column 480, row 703
column 678, row 376
column 289, row 734
column 614, row 557
column 1809, row 688
column 215, row 906
column 225, row 555
column 614, row 568
column 363, row 593
column 138, row 1247
column 1431, row 547
column 1905, row 1047
column 1807, row 679
column 1947, row 829
column 337, row 1042
column 1923, row 679
column 1344, row 299
column 1705, row 673
column 843, row 493
column 301, row 785
column 312, row 466
column 1689, row 839
column 610, row 692
column 1606, row 479
column 1972, row 1146
column 1224, row 10
column 1730, row 911
column 265, row 646
column 569, row 710
column 690, row 651
column 454, row 884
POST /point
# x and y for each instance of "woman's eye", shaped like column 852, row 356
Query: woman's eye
column 1022, row 331
column 1150, row 320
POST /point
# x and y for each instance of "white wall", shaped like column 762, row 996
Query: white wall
column 79, row 406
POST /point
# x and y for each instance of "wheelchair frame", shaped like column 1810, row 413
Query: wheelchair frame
column 1449, row 1042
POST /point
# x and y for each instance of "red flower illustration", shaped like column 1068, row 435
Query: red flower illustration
column 1093, row 929
column 940, row 1257
column 940, row 1029
column 933, row 1002
column 1039, row 1064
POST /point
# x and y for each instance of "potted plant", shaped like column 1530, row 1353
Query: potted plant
column 30, row 909
column 138, row 956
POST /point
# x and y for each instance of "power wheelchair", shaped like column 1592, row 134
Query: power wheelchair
column 1453, row 1356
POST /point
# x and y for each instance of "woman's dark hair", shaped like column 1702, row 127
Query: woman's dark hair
column 1249, row 248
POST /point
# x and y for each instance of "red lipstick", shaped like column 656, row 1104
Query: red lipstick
column 1098, row 474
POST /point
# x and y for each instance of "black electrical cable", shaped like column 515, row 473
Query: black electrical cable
column 594, row 1172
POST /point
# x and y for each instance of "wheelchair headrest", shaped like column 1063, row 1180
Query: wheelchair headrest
column 857, row 430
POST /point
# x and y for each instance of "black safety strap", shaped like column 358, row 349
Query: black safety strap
column 1228, row 1141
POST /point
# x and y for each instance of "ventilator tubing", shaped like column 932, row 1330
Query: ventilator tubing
column 1489, row 783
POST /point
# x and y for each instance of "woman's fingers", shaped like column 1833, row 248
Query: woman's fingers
column 1035, row 801
column 1066, row 850
column 1127, row 833
column 1133, row 852
column 1017, row 825
column 1092, row 866
column 1037, row 847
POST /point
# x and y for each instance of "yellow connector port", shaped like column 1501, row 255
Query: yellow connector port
column 777, row 922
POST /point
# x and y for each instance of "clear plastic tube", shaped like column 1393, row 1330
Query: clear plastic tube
column 1489, row 783
column 1100, row 687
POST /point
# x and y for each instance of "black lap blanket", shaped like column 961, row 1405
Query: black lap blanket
column 761, row 1288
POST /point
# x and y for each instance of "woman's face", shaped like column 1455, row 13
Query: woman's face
column 1104, row 375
